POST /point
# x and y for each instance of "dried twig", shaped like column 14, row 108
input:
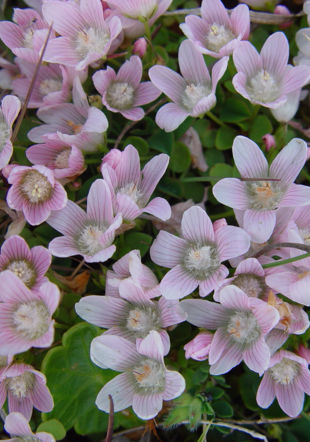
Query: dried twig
column 111, row 421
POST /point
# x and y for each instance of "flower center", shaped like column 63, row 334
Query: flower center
column 305, row 234
column 264, row 195
column 252, row 285
column 4, row 132
column 193, row 94
column 243, row 328
column 20, row 385
column 285, row 371
column 150, row 376
column 120, row 95
column 91, row 40
column 218, row 36
column 141, row 320
column 28, row 38
column 201, row 262
column 24, row 270
column 36, row 187
column 89, row 240
column 133, row 192
column 263, row 87
column 31, row 319
column 50, row 85
column 74, row 128
column 62, row 159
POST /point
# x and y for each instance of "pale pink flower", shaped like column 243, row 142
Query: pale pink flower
column 145, row 382
column 25, row 388
column 10, row 107
column 266, row 78
column 192, row 93
column 199, row 347
column 35, row 192
column 304, row 352
column 130, row 267
column 65, row 160
column 287, row 379
column 132, row 188
column 89, row 234
column 140, row 47
column 25, row 315
column 75, row 123
column 26, row 36
column 256, row 198
column 287, row 110
column 195, row 258
column 134, row 13
column 30, row 265
column 216, row 33
column 269, row 141
column 85, row 36
column 132, row 315
column 123, row 92
column 241, row 325
column 8, row 72
column 18, row 427
column 192, row 141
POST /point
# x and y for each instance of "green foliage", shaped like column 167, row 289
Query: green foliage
column 260, row 126
column 54, row 427
column 225, row 137
column 180, row 158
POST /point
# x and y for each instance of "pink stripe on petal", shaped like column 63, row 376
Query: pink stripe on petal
column 257, row 357
column 151, row 346
column 128, row 169
column 240, row 21
column 16, row 247
column 50, row 294
column 275, row 54
column 197, row 226
column 170, row 116
column 290, row 398
column 62, row 247
column 297, row 195
column 60, row 50
column 145, row 93
column 230, row 359
column 121, row 390
column 41, row 397
column 108, row 351
column 92, row 13
column 134, row 114
column 152, row 173
column 99, row 203
column 127, row 207
column 175, row 385
column 69, row 220
column 249, row 158
column 296, row 78
column 266, row 315
column 266, row 392
column 192, row 64
column 206, row 314
column 203, row 105
column 171, row 312
column 147, row 406
column 231, row 242
column 177, row 283
column 10, row 106
column 41, row 259
column 66, row 17
column 101, row 256
column 168, row 81
column 232, row 193
column 15, row 290
column 220, row 343
column 218, row 71
column 259, row 224
column 167, row 250
column 213, row 281
column 289, row 161
column 213, row 11
column 103, row 311
column 159, row 207
column 23, row 406
column 131, row 71
column 247, row 59
column 17, row 424
column 103, row 78
column 250, row 265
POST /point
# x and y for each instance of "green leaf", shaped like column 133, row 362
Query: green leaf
column 225, row 137
column 221, row 170
column 162, row 141
column 136, row 240
column 235, row 110
column 75, row 382
column 139, row 143
column 222, row 409
column 248, row 384
column 54, row 427
column 260, row 127
column 180, row 158
column 215, row 392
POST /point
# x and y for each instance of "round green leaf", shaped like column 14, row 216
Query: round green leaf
column 139, row 143
column 225, row 137
column 180, row 159
column 54, row 427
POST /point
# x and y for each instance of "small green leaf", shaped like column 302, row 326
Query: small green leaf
column 221, row 170
column 222, row 409
column 235, row 110
column 139, row 143
column 180, row 159
column 54, row 427
column 162, row 141
column 225, row 137
column 248, row 384
column 136, row 240
column 260, row 127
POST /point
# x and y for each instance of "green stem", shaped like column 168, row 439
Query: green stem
column 200, row 179
column 215, row 118
column 286, row 261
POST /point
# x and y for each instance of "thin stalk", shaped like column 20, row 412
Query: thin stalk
column 281, row 262
column 215, row 118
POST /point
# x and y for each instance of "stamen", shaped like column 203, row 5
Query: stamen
column 243, row 328
column 91, row 40
column 251, row 284
column 21, row 385
column 149, row 376
column 193, row 94
column 265, row 195
column 89, row 240
column 263, row 87
column 62, row 158
column 218, row 36
column 4, row 131
column 120, row 95
column 201, row 261
column 31, row 320
column 285, row 371
column 35, row 187
column 24, row 270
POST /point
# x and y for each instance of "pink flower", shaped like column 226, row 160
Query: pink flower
column 132, row 188
column 77, row 123
column 26, row 316
column 192, row 141
column 134, row 13
column 241, row 325
column 65, row 160
column 264, row 189
column 30, row 265
column 287, row 379
column 88, row 234
column 216, row 33
column 85, row 36
column 25, row 388
column 193, row 93
column 18, row 427
column 145, row 382
column 199, row 347
column 123, row 92
column 195, row 258
column 266, row 78
column 140, row 47
column 269, row 141
column 10, row 107
column 130, row 267
column 132, row 315
column 35, row 191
